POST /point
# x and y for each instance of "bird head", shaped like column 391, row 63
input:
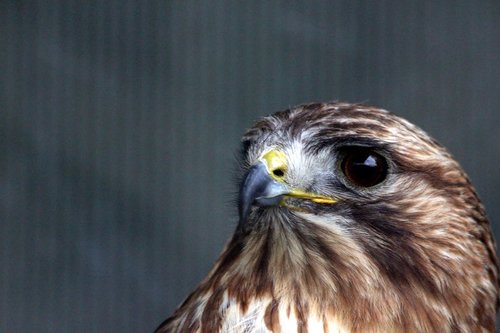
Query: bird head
column 346, row 164
column 354, row 218
column 353, row 199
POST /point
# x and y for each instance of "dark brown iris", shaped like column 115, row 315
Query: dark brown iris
column 363, row 167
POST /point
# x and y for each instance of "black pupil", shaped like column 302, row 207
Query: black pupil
column 363, row 167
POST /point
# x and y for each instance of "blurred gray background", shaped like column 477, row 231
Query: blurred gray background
column 119, row 122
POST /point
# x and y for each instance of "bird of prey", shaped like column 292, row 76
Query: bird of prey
column 351, row 219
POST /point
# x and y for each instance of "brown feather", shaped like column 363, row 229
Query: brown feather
column 415, row 254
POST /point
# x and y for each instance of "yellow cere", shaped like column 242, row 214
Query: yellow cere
column 274, row 160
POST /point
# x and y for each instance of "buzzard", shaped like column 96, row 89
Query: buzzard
column 351, row 220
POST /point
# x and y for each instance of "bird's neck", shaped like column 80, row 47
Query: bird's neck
column 284, row 268
column 297, row 262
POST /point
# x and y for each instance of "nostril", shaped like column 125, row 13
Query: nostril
column 278, row 173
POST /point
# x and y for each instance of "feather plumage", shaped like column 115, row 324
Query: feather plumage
column 414, row 253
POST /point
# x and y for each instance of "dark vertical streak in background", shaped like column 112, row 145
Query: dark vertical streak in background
column 119, row 121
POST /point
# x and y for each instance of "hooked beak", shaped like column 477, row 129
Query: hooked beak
column 264, row 186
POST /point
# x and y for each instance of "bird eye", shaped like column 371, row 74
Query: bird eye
column 363, row 167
